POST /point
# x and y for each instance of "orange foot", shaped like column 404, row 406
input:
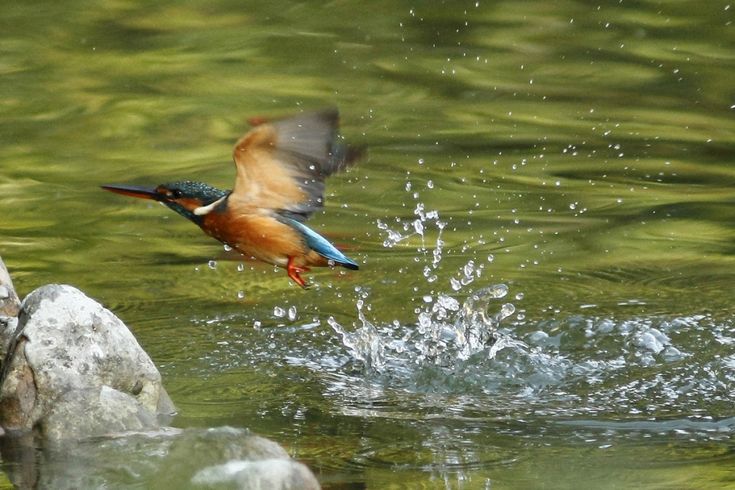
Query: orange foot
column 293, row 273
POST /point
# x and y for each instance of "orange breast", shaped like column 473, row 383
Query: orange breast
column 257, row 235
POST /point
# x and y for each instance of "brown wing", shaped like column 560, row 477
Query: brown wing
column 281, row 165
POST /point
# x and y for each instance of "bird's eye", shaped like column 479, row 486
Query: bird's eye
column 176, row 193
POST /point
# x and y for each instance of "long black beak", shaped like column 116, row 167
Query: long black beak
column 134, row 191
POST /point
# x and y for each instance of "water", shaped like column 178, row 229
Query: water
column 543, row 222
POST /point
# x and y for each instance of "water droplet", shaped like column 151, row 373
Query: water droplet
column 212, row 264
column 227, row 248
column 448, row 302
column 240, row 267
column 469, row 268
column 490, row 258
column 279, row 312
column 495, row 291
column 424, row 322
column 292, row 313
column 240, row 294
column 505, row 311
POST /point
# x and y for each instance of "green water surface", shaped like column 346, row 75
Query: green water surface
column 579, row 152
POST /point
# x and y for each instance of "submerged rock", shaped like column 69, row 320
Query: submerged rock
column 175, row 459
column 226, row 457
column 74, row 370
column 276, row 474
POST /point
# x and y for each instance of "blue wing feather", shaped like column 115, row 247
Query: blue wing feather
column 320, row 244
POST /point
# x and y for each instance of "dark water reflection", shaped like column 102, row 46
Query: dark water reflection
column 579, row 153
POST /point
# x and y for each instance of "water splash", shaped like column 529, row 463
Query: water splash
column 416, row 227
column 446, row 333
column 365, row 343
column 466, row 275
column 476, row 326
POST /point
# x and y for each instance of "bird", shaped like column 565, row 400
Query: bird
column 281, row 165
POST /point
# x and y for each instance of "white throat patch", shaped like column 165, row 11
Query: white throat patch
column 202, row 210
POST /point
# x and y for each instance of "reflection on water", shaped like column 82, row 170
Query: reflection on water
column 577, row 153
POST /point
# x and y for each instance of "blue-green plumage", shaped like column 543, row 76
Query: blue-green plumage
column 320, row 244
column 205, row 193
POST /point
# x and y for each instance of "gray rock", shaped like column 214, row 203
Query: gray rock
column 9, row 308
column 74, row 370
column 9, row 302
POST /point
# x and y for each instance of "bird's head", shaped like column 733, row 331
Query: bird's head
column 191, row 200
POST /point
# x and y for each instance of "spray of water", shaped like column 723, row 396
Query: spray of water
column 365, row 344
column 444, row 334
column 445, row 331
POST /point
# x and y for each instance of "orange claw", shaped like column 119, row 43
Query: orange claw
column 293, row 273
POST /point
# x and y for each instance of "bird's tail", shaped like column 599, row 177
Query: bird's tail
column 321, row 245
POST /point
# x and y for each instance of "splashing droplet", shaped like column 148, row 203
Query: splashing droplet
column 365, row 343
column 418, row 226
column 505, row 311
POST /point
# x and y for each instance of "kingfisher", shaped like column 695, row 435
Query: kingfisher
column 280, row 167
